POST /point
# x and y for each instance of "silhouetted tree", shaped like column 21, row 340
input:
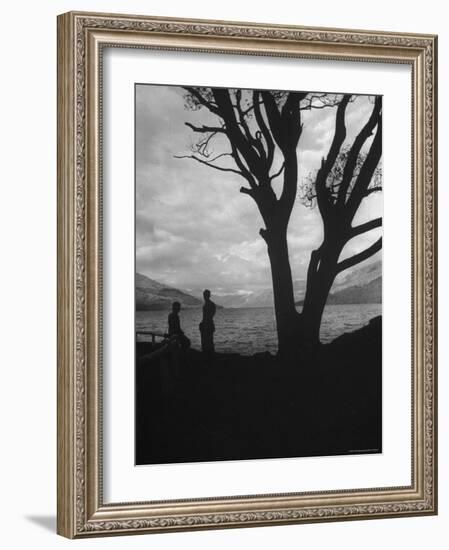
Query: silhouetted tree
column 254, row 124
column 348, row 174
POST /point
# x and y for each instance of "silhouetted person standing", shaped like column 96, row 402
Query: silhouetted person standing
column 174, row 327
column 207, row 327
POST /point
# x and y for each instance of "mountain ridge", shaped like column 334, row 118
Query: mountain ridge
column 370, row 293
column 151, row 295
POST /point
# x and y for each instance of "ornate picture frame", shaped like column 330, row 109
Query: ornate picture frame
column 82, row 509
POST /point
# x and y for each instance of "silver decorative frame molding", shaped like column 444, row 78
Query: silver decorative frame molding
column 81, row 37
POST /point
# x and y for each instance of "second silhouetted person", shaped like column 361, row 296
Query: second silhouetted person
column 207, row 327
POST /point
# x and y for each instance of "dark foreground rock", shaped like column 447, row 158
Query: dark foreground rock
column 190, row 407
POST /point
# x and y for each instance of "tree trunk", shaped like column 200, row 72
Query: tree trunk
column 287, row 318
column 320, row 277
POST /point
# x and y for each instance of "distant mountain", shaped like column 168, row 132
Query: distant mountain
column 369, row 293
column 152, row 295
column 362, row 285
column 359, row 276
column 260, row 298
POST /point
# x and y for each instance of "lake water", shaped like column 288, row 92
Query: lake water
column 252, row 330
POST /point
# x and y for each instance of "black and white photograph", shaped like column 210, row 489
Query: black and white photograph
column 258, row 284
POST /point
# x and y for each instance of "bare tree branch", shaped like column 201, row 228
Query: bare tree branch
column 321, row 101
column 206, row 129
column 278, row 173
column 364, row 227
column 207, row 163
column 256, row 143
column 323, row 195
column 244, row 170
column 360, row 257
column 354, row 151
column 242, row 121
column 247, row 191
column 366, row 172
column 274, row 117
column 263, row 127
column 251, row 107
column 236, row 136
column 291, row 115
column 219, row 156
column 201, row 147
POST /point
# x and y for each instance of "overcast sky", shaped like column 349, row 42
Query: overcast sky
column 194, row 229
